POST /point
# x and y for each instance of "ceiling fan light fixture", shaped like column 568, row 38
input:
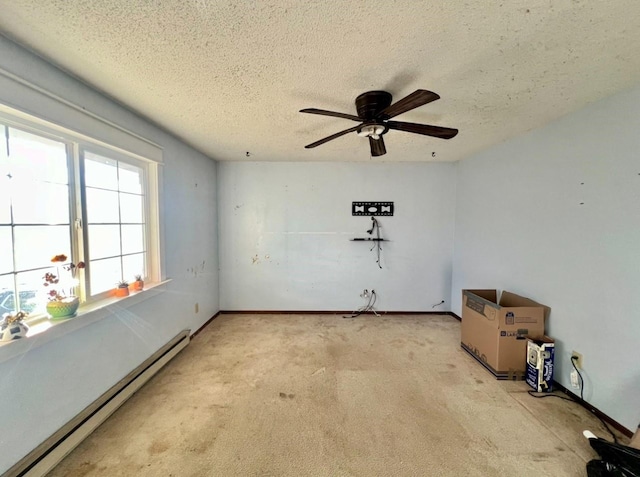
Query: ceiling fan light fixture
column 371, row 130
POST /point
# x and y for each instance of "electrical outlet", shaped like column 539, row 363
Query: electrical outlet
column 575, row 383
column 577, row 359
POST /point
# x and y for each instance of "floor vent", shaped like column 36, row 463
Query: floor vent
column 48, row 454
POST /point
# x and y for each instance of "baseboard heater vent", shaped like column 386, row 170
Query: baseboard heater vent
column 48, row 454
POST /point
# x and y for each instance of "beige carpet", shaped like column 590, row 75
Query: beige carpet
column 319, row 395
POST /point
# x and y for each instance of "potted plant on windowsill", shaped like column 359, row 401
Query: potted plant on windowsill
column 122, row 289
column 62, row 303
column 12, row 326
column 138, row 284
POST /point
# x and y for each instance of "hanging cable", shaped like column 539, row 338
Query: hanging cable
column 366, row 308
column 375, row 298
column 573, row 363
column 539, row 396
column 377, row 245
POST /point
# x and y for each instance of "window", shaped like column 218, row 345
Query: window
column 64, row 195
column 115, row 199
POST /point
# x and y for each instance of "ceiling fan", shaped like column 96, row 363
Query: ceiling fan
column 374, row 113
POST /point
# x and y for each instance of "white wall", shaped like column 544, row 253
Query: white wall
column 51, row 382
column 555, row 215
column 285, row 230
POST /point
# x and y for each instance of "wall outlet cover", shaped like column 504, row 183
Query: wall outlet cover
column 574, row 380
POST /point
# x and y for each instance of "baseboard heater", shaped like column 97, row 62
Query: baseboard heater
column 48, row 454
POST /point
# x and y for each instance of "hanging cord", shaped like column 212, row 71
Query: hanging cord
column 606, row 426
column 375, row 298
column 547, row 395
column 366, row 308
column 376, row 245
column 362, row 309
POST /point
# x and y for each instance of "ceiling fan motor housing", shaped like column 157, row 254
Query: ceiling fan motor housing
column 371, row 103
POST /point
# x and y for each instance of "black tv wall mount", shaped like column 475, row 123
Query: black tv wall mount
column 372, row 208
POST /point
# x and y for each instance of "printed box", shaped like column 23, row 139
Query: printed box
column 540, row 355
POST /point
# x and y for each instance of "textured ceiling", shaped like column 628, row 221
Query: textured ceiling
column 230, row 76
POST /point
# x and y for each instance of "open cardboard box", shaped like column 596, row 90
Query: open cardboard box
column 495, row 332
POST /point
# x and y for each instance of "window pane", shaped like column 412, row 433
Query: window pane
column 100, row 171
column 43, row 203
column 105, row 209
column 102, row 206
column 132, row 239
column 105, row 275
column 5, row 198
column 104, row 241
column 5, row 184
column 7, row 303
column 35, row 246
column 130, row 178
column 31, row 291
column 6, row 294
column 6, row 249
column 133, row 265
column 36, row 158
column 131, row 208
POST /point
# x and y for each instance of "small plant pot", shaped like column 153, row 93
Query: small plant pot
column 121, row 292
column 138, row 285
column 66, row 308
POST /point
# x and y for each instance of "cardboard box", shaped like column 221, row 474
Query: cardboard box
column 495, row 333
column 540, row 355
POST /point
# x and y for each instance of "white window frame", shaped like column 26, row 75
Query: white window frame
column 76, row 144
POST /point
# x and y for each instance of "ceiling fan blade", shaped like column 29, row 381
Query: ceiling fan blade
column 425, row 129
column 377, row 146
column 322, row 112
column 333, row 136
column 415, row 99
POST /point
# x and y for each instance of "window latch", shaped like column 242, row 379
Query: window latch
column 78, row 224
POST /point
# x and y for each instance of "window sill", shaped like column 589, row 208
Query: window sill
column 45, row 330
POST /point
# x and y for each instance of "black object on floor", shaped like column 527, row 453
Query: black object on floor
column 617, row 460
